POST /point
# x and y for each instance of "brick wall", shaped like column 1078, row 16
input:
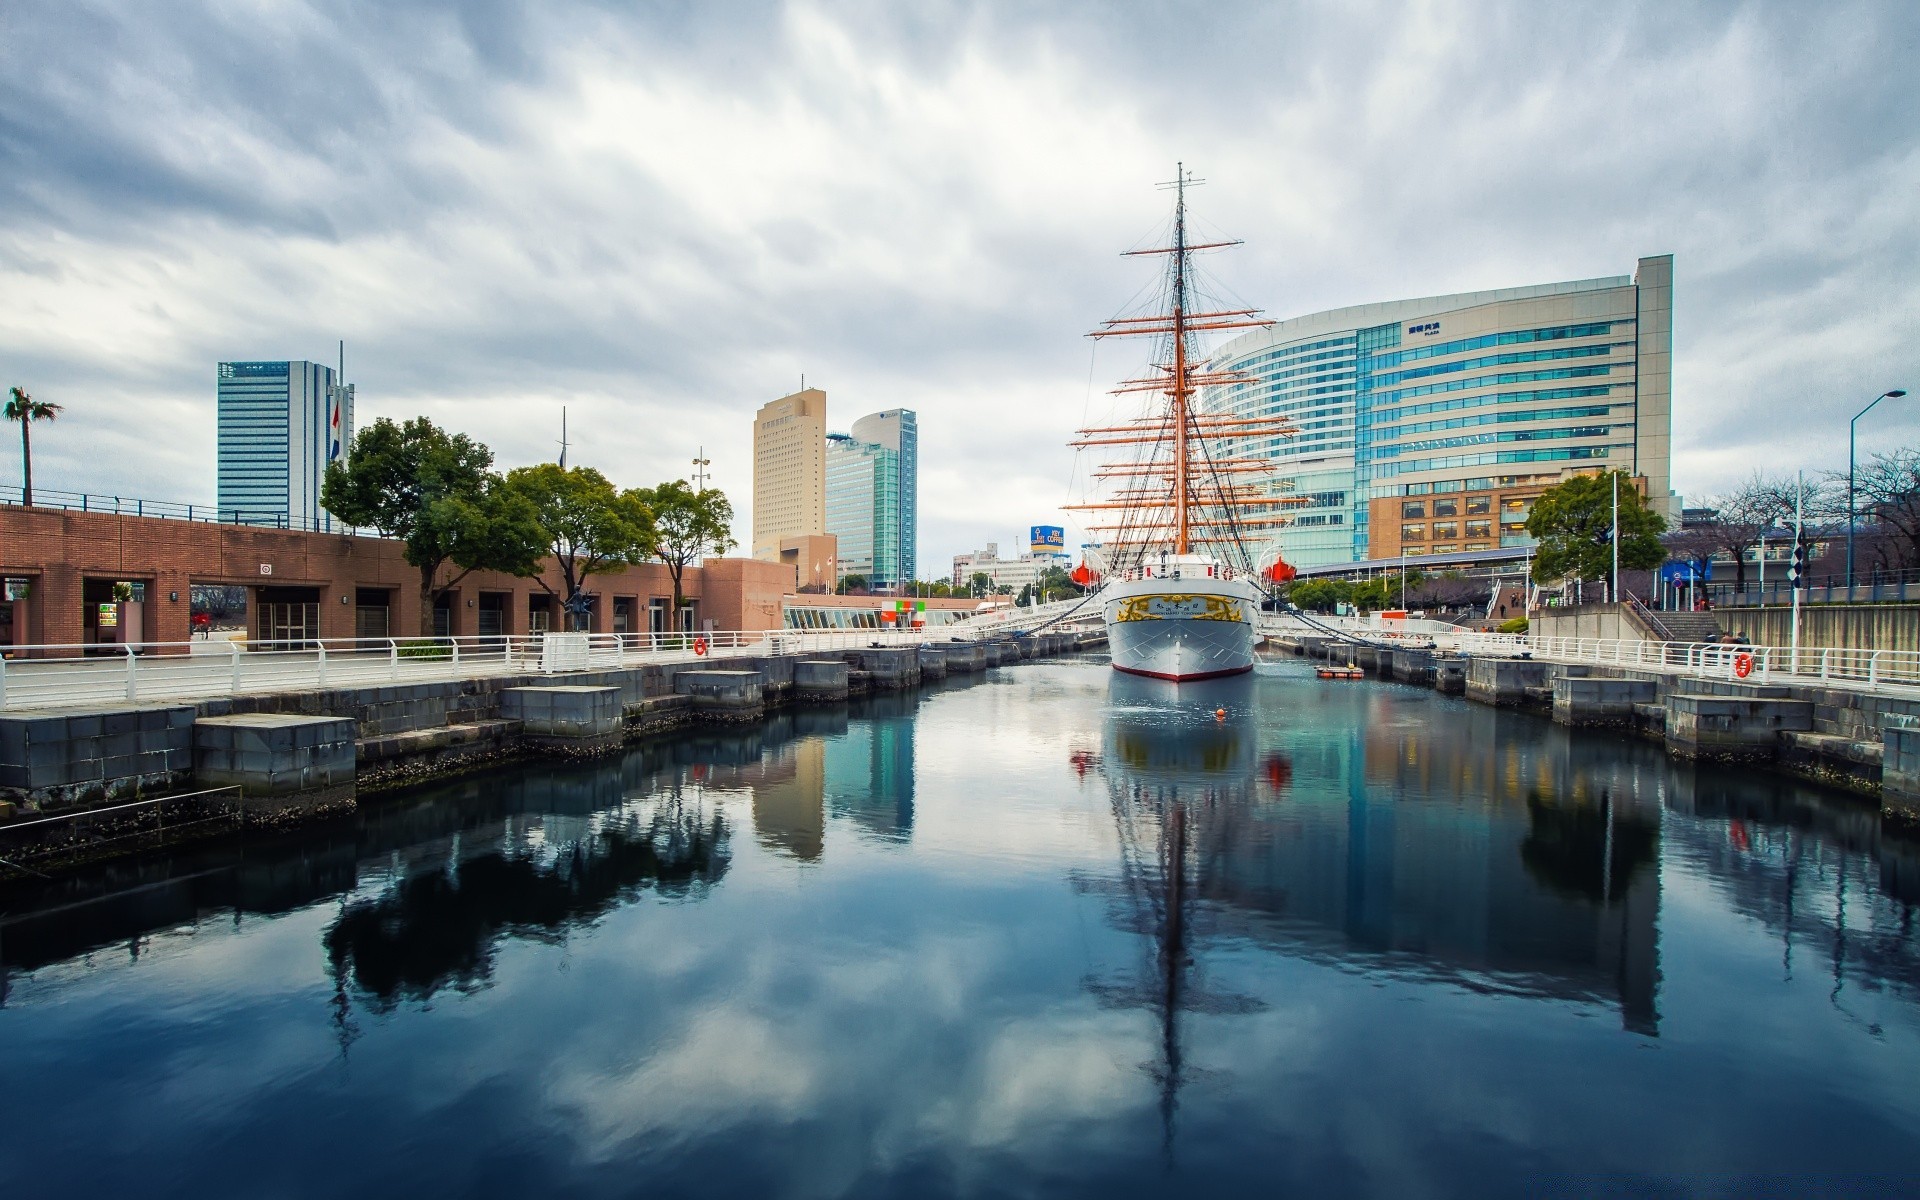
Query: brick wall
column 59, row 551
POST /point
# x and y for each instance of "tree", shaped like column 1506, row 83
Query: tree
column 849, row 584
column 1887, row 495
column 434, row 492
column 687, row 525
column 1573, row 522
column 1743, row 515
column 981, row 584
column 26, row 410
column 589, row 526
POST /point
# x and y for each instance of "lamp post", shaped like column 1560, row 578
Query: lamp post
column 1895, row 394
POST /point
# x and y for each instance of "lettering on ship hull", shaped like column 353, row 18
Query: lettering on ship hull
column 1190, row 608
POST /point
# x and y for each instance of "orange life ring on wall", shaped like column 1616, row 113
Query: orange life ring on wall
column 699, row 645
column 1742, row 665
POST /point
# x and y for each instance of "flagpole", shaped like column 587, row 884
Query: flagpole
column 1799, row 493
column 1615, row 597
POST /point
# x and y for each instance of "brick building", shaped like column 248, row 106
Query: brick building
column 60, row 570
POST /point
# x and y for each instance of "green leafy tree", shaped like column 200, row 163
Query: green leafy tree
column 1573, row 522
column 26, row 410
column 434, row 492
column 590, row 526
column 982, row 583
column 688, row 525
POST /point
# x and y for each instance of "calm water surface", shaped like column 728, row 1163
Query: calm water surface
column 1052, row 932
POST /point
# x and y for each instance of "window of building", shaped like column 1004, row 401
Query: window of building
column 1479, row 528
column 1451, row 485
column 1413, row 508
column 1478, row 546
column 1446, row 529
column 1479, row 505
column 1413, row 533
column 1446, row 549
column 1515, row 506
column 1446, row 508
column 1476, row 485
column 1412, row 551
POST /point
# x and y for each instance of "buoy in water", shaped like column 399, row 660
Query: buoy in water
column 1219, row 714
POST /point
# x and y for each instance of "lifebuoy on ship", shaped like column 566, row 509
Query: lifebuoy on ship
column 699, row 645
column 1742, row 665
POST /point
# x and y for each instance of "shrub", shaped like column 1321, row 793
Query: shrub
column 1516, row 625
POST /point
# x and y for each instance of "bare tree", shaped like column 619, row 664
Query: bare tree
column 1887, row 500
column 1743, row 515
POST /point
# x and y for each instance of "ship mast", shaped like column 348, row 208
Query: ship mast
column 1230, row 502
column 1181, row 388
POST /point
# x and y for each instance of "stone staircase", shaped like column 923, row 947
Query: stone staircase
column 1690, row 626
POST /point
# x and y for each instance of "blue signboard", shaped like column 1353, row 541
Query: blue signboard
column 1681, row 572
column 1047, row 539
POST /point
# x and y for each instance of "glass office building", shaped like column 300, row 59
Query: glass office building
column 863, row 508
column 1480, row 401
column 280, row 424
column 898, row 429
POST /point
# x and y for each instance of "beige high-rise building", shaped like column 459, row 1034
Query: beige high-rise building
column 789, row 471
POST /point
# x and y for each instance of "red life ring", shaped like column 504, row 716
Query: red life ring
column 699, row 645
column 1742, row 665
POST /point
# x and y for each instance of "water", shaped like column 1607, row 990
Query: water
column 936, row 946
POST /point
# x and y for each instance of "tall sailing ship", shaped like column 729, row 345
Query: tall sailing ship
column 1180, row 530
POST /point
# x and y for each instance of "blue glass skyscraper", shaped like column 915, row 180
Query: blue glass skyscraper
column 280, row 424
column 898, row 429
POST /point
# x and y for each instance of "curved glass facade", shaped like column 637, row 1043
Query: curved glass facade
column 1501, row 393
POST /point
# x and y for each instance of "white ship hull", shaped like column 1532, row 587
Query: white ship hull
column 1169, row 627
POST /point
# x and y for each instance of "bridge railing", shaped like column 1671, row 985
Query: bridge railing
column 1740, row 662
column 47, row 676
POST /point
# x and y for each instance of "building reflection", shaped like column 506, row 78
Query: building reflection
column 1513, row 858
column 869, row 770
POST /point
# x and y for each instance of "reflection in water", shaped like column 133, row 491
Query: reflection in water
column 1355, row 934
column 1177, row 761
column 440, row 928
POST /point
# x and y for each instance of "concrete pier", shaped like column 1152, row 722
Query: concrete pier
column 888, row 668
column 818, row 681
column 1591, row 701
column 573, row 720
column 1731, row 728
column 1900, row 768
column 54, row 759
column 287, row 767
column 726, row 696
column 933, row 662
column 1504, row 681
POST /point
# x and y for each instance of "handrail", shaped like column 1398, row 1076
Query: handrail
column 1653, row 623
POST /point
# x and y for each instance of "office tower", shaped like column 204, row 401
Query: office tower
column 1427, row 428
column 898, row 429
column 863, row 508
column 789, row 471
column 280, row 424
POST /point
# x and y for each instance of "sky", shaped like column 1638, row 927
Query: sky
column 662, row 216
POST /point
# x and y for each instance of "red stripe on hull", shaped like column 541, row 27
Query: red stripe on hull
column 1184, row 678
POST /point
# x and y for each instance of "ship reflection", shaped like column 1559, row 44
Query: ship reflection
column 1174, row 761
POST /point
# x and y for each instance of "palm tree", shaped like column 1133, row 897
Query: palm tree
column 26, row 410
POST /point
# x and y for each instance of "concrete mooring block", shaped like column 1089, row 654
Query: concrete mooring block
column 1595, row 701
column 1730, row 728
column 288, row 767
column 575, row 720
column 1504, row 681
column 933, row 662
column 888, row 668
column 727, row 696
column 1900, row 768
column 53, row 758
column 820, row 681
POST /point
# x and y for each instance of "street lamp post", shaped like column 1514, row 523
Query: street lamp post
column 1895, row 394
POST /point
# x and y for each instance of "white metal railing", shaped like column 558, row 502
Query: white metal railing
column 1740, row 662
column 48, row 676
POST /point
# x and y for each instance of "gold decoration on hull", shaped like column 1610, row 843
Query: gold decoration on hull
column 1178, row 608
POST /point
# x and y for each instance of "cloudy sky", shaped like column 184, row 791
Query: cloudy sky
column 661, row 219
